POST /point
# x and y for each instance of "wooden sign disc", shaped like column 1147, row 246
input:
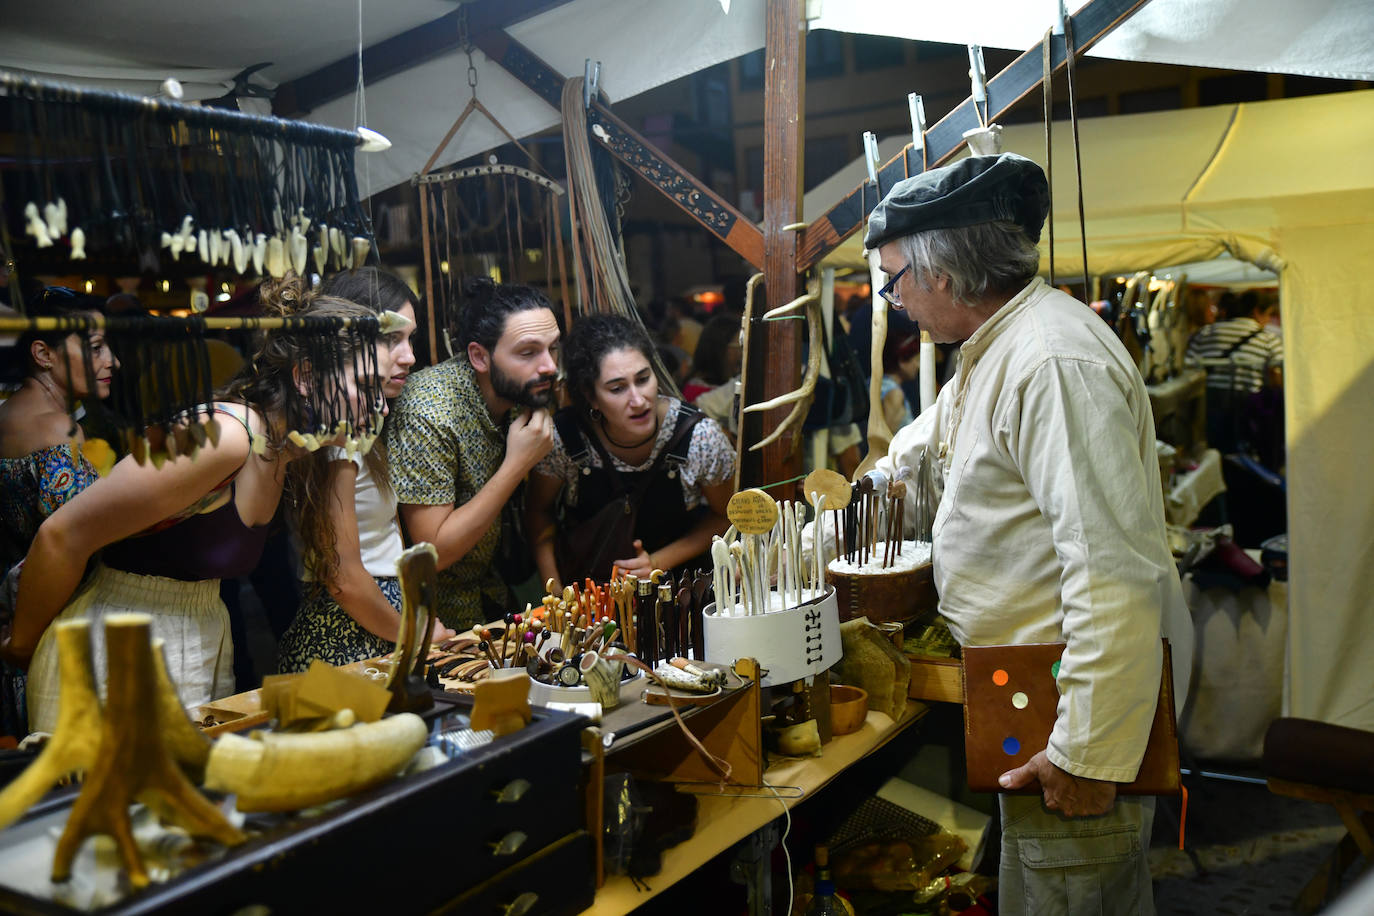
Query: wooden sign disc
column 830, row 483
column 752, row 511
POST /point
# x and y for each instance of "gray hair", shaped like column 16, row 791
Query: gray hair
column 985, row 258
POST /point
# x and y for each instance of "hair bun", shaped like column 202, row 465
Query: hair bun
column 286, row 297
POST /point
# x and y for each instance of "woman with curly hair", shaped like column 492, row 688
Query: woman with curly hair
column 166, row 535
column 622, row 440
column 344, row 505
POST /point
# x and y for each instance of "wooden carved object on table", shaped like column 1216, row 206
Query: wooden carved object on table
column 188, row 745
column 133, row 762
column 501, row 703
column 417, row 570
column 76, row 740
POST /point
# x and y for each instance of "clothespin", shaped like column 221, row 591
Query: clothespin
column 591, row 77
column 871, row 155
column 918, row 122
column 1060, row 14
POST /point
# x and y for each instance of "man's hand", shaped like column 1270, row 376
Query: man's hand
column 640, row 565
column 1072, row 796
column 529, row 439
column 440, row 632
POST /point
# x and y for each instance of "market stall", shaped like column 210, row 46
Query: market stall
column 1304, row 221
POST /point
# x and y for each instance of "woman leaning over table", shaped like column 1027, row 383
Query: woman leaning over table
column 167, row 535
column 619, row 418
column 345, row 516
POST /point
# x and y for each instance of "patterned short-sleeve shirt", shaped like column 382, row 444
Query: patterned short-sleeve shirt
column 443, row 448
column 710, row 458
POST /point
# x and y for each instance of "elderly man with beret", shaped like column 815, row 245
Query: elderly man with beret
column 1050, row 527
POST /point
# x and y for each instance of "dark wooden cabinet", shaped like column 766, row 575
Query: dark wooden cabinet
column 500, row 820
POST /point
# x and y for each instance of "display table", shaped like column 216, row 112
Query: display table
column 724, row 821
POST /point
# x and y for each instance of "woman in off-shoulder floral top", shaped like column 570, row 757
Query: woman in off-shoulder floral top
column 41, row 461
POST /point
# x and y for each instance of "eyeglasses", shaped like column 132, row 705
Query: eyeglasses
column 889, row 291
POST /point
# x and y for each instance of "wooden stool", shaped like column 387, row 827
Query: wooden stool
column 1334, row 765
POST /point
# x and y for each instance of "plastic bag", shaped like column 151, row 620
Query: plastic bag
column 897, row 865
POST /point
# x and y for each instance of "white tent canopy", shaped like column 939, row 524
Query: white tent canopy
column 640, row 46
column 1330, row 38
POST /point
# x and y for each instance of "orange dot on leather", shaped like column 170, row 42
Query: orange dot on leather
column 1000, row 677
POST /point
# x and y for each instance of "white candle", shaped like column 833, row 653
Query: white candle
column 927, row 371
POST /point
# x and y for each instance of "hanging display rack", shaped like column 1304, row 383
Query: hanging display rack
column 144, row 177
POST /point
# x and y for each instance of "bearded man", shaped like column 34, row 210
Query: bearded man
column 465, row 433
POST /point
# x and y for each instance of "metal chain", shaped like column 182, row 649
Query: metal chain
column 465, row 42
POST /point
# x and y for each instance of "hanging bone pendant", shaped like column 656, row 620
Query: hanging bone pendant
column 321, row 249
column 336, row 244
column 276, row 257
column 361, row 247
column 187, row 237
column 300, row 251
column 259, row 253
column 55, row 219
column 236, row 250
column 35, row 226
column 78, row 244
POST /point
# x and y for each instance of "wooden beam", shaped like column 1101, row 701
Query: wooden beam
column 775, row 346
column 1019, row 79
column 672, row 180
column 401, row 52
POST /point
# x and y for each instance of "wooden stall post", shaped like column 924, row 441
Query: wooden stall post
column 775, row 346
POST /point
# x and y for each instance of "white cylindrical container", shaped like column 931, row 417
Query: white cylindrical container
column 788, row 643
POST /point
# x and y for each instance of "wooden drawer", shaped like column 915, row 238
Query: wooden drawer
column 938, row 679
column 559, row 880
column 508, row 807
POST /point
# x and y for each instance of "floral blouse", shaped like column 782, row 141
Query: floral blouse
column 34, row 487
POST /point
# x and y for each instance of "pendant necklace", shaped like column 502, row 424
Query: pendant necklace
column 653, row 435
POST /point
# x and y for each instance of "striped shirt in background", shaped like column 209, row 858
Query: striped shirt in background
column 1249, row 353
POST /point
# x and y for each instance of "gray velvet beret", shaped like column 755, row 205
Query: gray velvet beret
column 975, row 190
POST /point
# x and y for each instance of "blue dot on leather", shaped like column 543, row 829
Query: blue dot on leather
column 1011, row 747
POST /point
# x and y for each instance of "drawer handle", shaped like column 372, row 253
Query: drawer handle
column 522, row 904
column 513, row 792
column 508, row 844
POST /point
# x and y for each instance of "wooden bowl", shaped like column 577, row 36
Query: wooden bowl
column 848, row 708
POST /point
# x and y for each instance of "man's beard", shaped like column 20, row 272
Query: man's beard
column 508, row 389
